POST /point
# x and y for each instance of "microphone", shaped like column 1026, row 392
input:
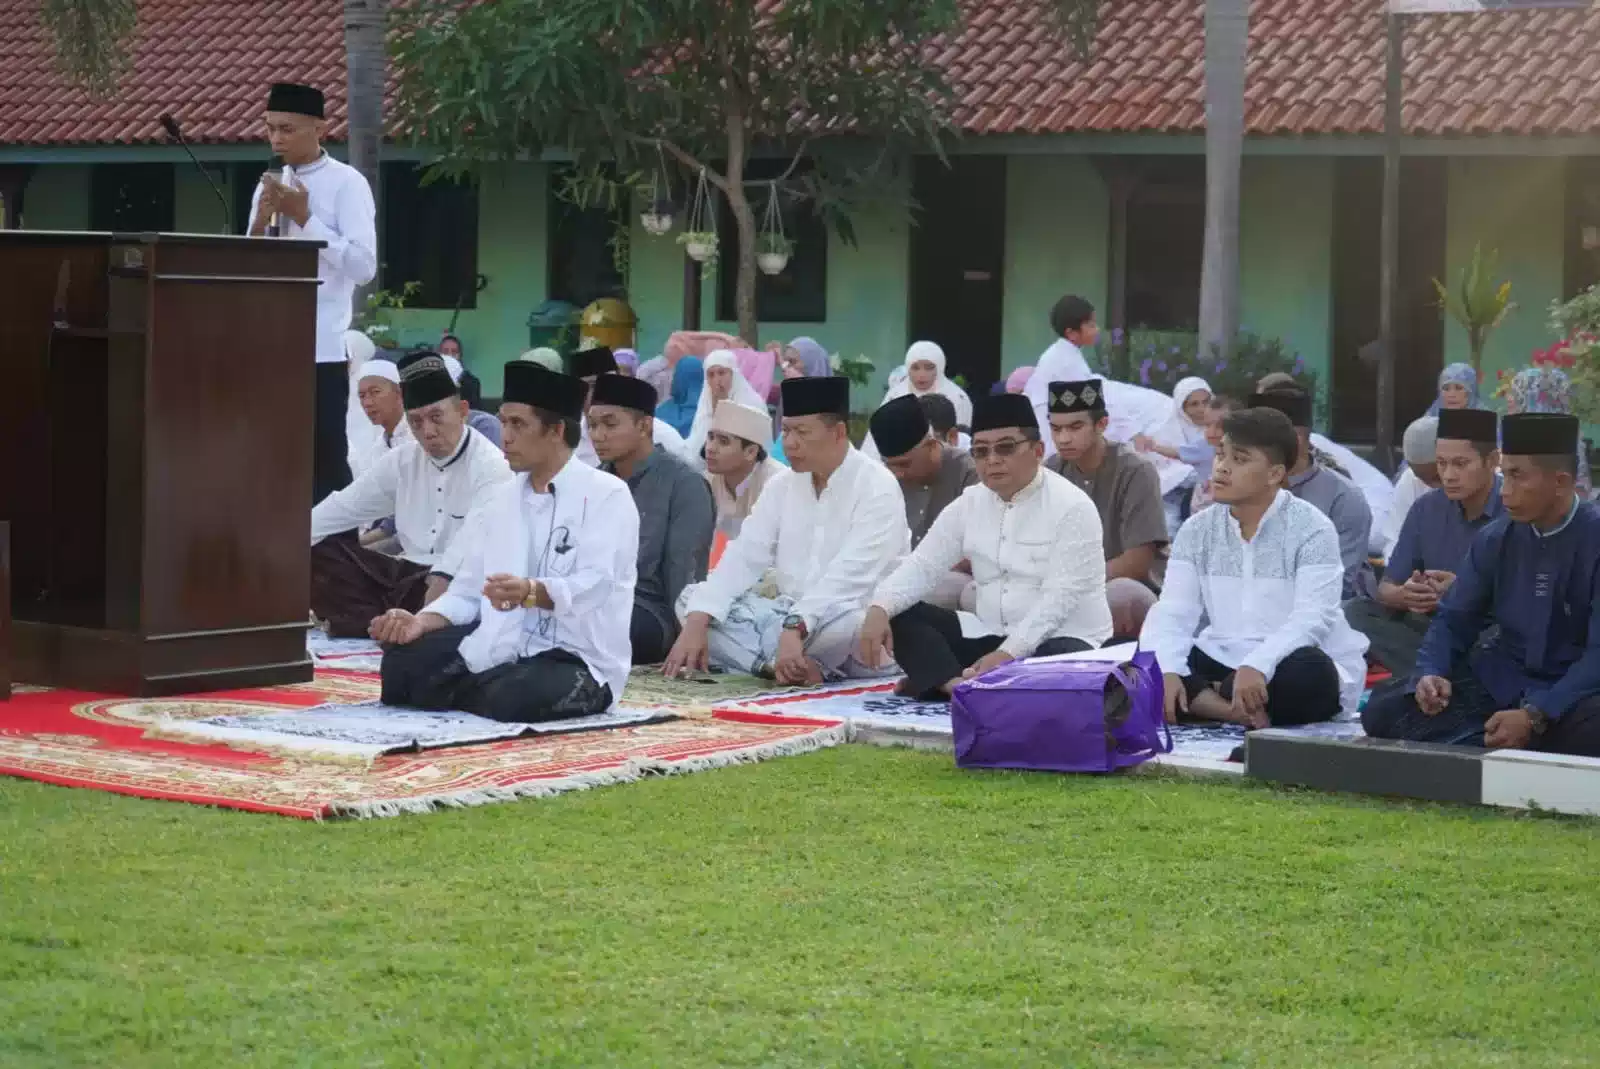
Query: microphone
column 170, row 125
column 275, row 224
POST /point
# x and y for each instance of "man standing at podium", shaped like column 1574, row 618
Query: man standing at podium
column 321, row 199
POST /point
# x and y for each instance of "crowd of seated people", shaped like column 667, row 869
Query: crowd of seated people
column 707, row 510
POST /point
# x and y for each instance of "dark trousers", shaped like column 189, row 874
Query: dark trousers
column 1303, row 690
column 651, row 639
column 1395, row 636
column 1392, row 713
column 351, row 584
column 430, row 674
column 930, row 649
column 330, row 468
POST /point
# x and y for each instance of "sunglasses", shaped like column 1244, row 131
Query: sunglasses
column 1002, row 449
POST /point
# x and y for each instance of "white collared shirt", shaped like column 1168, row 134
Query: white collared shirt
column 429, row 499
column 342, row 215
column 362, row 459
column 582, row 540
column 1037, row 561
column 1260, row 600
column 1062, row 362
column 828, row 550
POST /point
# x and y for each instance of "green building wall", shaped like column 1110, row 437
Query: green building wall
column 57, row 198
column 1286, row 255
column 1515, row 206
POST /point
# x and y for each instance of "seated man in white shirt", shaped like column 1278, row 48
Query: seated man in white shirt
column 428, row 485
column 1034, row 541
column 831, row 527
column 1420, row 447
column 589, row 365
column 535, row 624
column 1249, row 629
column 378, row 390
column 738, row 468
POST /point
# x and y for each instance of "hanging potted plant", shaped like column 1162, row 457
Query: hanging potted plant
column 773, row 253
column 699, row 238
column 773, row 247
column 657, row 215
column 701, row 245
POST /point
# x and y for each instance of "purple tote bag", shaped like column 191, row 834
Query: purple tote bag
column 1061, row 716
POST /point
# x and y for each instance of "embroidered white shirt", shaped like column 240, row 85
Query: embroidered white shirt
column 342, row 215
column 581, row 541
column 828, row 550
column 429, row 499
column 1037, row 562
column 1251, row 604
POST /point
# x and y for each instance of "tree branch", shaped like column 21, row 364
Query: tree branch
column 683, row 157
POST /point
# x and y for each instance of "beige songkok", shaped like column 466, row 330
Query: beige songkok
column 742, row 421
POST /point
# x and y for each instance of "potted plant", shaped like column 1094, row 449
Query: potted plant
column 1479, row 303
column 657, row 218
column 773, row 252
column 701, row 245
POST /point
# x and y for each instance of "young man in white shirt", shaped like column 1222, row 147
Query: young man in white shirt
column 1034, row 542
column 1072, row 322
column 1249, row 629
column 428, row 485
column 831, row 527
column 738, row 468
column 535, row 624
column 316, row 196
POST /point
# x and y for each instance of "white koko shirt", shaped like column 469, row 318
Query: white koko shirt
column 429, row 499
column 580, row 540
column 343, row 215
column 1251, row 604
column 828, row 550
column 1037, row 561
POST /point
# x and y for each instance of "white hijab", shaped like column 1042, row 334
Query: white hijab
column 742, row 393
column 931, row 353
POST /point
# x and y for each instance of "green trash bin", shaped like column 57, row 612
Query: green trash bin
column 554, row 325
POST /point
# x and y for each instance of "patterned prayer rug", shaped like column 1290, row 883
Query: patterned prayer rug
column 647, row 686
column 77, row 739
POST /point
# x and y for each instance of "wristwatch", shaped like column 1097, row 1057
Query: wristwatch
column 796, row 623
column 532, row 600
column 1537, row 718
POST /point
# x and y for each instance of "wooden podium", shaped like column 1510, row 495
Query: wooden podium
column 158, row 433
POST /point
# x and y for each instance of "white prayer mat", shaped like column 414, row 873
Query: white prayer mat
column 365, row 732
column 347, row 654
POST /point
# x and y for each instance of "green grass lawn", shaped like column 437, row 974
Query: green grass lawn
column 851, row 907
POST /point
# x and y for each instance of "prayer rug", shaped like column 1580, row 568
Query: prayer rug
column 369, row 730
column 874, row 705
column 77, row 739
column 349, row 654
column 647, row 686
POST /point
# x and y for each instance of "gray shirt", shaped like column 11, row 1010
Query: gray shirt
column 1342, row 502
column 676, row 520
column 924, row 503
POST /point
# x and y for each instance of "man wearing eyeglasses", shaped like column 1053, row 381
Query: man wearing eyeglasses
column 1037, row 561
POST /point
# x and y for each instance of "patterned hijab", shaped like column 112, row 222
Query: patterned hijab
column 1548, row 390
column 1457, row 375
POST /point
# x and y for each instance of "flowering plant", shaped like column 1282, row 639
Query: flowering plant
column 1159, row 361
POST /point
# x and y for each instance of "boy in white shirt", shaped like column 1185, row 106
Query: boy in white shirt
column 1263, row 573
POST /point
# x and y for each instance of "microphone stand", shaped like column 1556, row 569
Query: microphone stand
column 170, row 125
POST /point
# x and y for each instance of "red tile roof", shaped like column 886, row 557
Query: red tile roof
column 1315, row 67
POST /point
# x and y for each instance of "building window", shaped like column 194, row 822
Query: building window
column 430, row 236
column 132, row 197
column 797, row 294
column 583, row 256
column 1166, row 241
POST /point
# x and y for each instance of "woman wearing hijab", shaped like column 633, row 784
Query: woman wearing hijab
column 627, row 362
column 924, row 373
column 1458, row 388
column 1548, row 390
column 723, row 382
column 688, row 382
column 1182, row 438
column 804, row 358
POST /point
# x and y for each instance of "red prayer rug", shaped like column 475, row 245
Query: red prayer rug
column 77, row 739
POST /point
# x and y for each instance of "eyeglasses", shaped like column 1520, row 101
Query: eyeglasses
column 1001, row 449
